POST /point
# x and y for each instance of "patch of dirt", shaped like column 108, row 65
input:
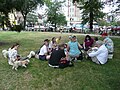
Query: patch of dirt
column 3, row 43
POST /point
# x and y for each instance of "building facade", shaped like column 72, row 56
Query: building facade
column 72, row 12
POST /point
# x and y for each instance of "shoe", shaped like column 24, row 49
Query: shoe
column 72, row 59
column 75, row 59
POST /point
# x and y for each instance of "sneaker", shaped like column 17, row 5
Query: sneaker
column 75, row 59
column 72, row 59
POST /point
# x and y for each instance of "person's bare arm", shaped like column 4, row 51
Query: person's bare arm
column 84, row 45
column 68, row 48
column 79, row 46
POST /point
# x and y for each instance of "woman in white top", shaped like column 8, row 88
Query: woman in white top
column 53, row 44
column 12, row 53
column 44, row 50
column 101, row 55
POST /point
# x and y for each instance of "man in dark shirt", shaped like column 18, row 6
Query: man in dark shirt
column 56, row 56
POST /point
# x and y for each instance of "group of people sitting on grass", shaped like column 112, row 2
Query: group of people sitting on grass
column 64, row 54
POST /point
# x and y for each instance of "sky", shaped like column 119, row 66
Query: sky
column 106, row 9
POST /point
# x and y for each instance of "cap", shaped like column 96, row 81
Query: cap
column 73, row 36
column 104, row 34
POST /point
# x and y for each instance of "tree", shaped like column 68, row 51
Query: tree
column 91, row 11
column 26, row 6
column 32, row 18
column 5, row 7
column 54, row 16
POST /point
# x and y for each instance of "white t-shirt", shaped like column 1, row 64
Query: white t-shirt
column 43, row 50
column 101, row 54
column 12, row 53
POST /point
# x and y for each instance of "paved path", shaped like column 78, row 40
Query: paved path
column 84, row 34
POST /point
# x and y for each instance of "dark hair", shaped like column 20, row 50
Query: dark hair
column 96, row 38
column 74, row 36
column 61, row 45
column 53, row 39
column 46, row 40
column 15, row 45
column 87, row 36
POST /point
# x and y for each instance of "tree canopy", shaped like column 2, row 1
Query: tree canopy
column 54, row 16
column 91, row 11
column 23, row 6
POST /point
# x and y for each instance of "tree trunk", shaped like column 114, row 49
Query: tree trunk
column 55, row 27
column 91, row 21
column 3, row 25
column 24, row 24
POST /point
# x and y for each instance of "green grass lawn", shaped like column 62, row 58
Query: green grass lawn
column 38, row 75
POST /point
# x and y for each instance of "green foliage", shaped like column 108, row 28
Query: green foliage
column 17, row 28
column 54, row 14
column 103, row 23
column 91, row 11
column 26, row 6
column 32, row 18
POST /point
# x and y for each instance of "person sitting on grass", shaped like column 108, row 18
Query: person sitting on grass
column 109, row 44
column 53, row 44
column 58, row 40
column 57, row 56
column 73, row 49
column 100, row 55
column 88, row 43
column 43, row 53
column 12, row 53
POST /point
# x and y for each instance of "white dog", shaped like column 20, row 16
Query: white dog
column 23, row 63
column 5, row 53
column 32, row 53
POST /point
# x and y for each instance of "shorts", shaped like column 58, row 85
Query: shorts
column 42, row 57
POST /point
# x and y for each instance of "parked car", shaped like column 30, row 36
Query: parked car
column 78, row 27
column 30, row 27
column 42, row 28
column 36, row 27
column 67, row 29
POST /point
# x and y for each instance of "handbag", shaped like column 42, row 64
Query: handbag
column 64, row 63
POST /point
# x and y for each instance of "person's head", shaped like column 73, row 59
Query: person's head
column 99, row 43
column 46, row 42
column 104, row 35
column 74, row 38
column 53, row 39
column 61, row 46
column 59, row 37
column 87, row 37
column 96, row 38
column 15, row 46
column 65, row 45
column 70, row 37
